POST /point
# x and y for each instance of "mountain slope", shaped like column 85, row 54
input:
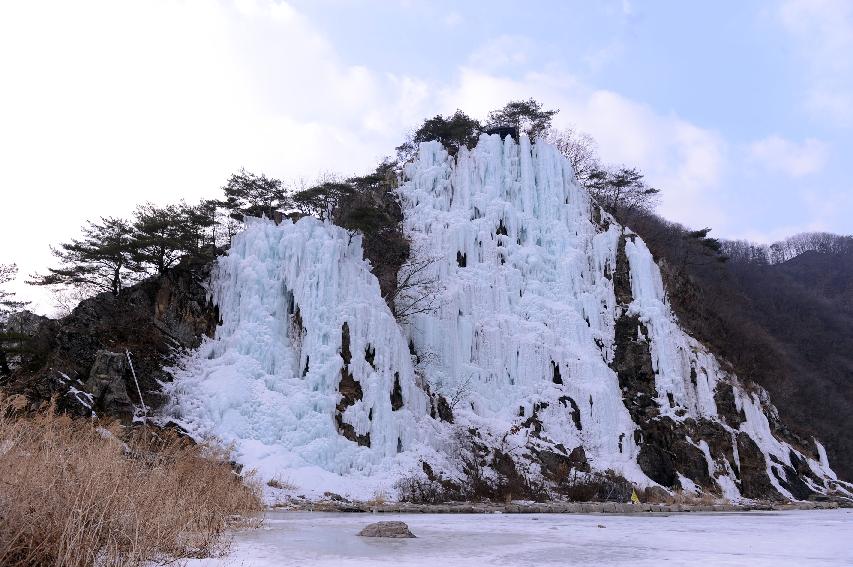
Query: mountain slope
column 806, row 306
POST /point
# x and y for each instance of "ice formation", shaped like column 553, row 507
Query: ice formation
column 313, row 379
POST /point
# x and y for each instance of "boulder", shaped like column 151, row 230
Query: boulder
column 107, row 383
column 386, row 529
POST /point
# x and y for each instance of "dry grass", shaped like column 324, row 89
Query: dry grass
column 379, row 499
column 280, row 483
column 74, row 493
column 680, row 497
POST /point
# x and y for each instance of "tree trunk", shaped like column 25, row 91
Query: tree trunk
column 4, row 364
column 116, row 283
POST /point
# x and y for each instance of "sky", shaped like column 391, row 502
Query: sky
column 740, row 113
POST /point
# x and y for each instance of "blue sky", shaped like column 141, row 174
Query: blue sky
column 741, row 113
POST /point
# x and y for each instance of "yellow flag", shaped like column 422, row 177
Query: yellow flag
column 634, row 498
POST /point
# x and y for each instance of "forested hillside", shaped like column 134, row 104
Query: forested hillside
column 781, row 314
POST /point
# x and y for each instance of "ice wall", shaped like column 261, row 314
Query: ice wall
column 521, row 343
column 525, row 327
column 268, row 381
column 527, row 315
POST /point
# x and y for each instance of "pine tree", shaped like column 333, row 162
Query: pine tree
column 621, row 191
column 11, row 343
column 322, row 200
column 526, row 116
column 100, row 260
column 247, row 194
column 453, row 132
column 159, row 237
column 162, row 236
column 8, row 303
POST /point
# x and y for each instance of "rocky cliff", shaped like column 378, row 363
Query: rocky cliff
column 84, row 360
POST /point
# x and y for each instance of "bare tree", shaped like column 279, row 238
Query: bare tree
column 744, row 251
column 418, row 288
column 621, row 191
column 580, row 149
column 460, row 392
column 67, row 298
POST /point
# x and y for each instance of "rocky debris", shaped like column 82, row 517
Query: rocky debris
column 666, row 450
column 387, row 529
column 668, row 447
column 396, row 394
column 632, row 363
column 334, row 496
column 21, row 332
column 622, row 275
column 154, row 320
column 443, row 409
column 27, row 323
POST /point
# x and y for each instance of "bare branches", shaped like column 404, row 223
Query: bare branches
column 621, row 191
column 743, row 251
column 580, row 149
column 460, row 392
column 418, row 288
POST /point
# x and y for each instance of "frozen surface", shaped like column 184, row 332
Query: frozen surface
column 754, row 538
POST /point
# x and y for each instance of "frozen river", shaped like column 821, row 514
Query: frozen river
column 820, row 537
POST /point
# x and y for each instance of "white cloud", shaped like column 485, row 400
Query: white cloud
column 106, row 104
column 684, row 160
column 823, row 34
column 778, row 154
column 502, row 52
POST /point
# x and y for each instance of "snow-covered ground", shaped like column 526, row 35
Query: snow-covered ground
column 749, row 538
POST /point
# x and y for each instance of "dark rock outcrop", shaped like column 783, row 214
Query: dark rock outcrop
column 153, row 320
column 350, row 391
column 107, row 383
column 754, row 482
column 669, row 448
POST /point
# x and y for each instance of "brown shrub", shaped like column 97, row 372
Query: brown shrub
column 656, row 495
column 280, row 483
column 73, row 492
column 608, row 486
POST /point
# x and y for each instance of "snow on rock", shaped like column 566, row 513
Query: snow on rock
column 522, row 344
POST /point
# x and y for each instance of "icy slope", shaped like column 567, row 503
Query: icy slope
column 552, row 346
column 269, row 381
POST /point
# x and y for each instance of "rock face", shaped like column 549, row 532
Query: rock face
column 81, row 358
column 107, row 382
column 387, row 529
